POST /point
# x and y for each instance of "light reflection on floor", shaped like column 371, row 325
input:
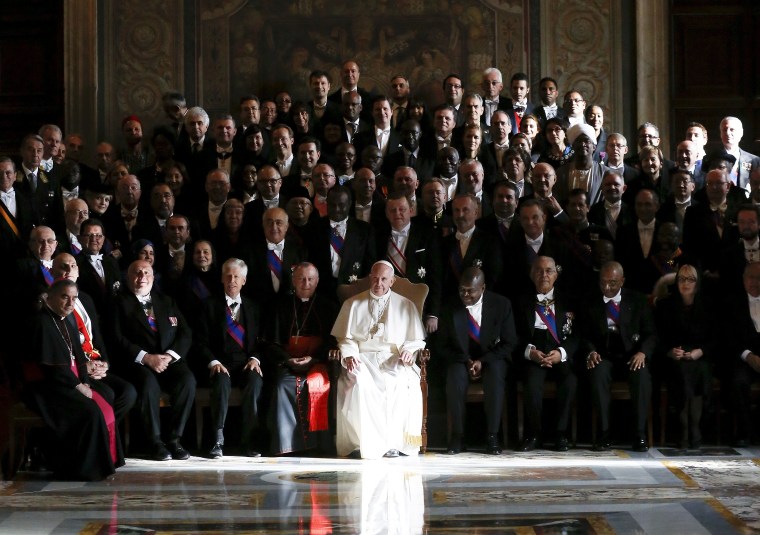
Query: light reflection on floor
column 579, row 492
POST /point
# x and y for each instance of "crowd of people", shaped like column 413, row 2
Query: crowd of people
column 210, row 254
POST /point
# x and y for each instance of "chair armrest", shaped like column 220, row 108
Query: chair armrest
column 423, row 356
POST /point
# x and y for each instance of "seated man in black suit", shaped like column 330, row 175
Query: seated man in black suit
column 152, row 339
column 548, row 341
column 620, row 339
column 299, row 340
column 229, row 342
column 477, row 339
column 744, row 351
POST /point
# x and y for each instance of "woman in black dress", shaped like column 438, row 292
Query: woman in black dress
column 686, row 335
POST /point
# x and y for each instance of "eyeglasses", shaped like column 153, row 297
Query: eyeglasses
column 574, row 100
column 49, row 241
column 454, row 86
column 92, row 236
column 690, row 280
column 649, row 136
column 270, row 181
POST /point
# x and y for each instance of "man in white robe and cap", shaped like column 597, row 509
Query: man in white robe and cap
column 379, row 397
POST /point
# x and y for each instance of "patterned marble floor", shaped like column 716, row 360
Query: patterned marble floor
column 576, row 493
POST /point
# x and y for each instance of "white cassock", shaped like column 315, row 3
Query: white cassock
column 380, row 403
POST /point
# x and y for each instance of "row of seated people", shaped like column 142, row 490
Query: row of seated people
column 543, row 335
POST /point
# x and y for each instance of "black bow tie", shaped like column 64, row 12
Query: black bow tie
column 223, row 155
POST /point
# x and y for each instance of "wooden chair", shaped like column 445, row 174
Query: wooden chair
column 416, row 293
column 20, row 421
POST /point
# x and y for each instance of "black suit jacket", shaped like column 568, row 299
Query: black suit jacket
column 259, row 284
column 14, row 244
column 132, row 333
column 424, row 166
column 483, row 250
column 358, row 253
column 598, row 215
column 367, row 138
column 212, row 333
column 701, row 241
column 89, row 281
column 366, row 112
column 539, row 111
column 637, row 328
column 498, row 337
column 511, row 112
column 565, row 321
column 422, row 260
column 46, row 200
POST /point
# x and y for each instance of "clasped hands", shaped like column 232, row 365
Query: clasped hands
column 97, row 369
column 679, row 354
column 545, row 360
column 157, row 362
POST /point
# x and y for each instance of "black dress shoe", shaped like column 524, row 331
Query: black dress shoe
column 455, row 445
column 160, row 453
column 603, row 444
column 529, row 444
column 562, row 443
column 640, row 445
column 356, row 454
column 216, row 451
column 492, row 445
column 391, row 453
column 178, row 452
column 250, row 452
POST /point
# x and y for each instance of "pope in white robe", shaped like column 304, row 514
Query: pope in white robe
column 379, row 396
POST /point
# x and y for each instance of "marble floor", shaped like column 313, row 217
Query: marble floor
column 716, row 491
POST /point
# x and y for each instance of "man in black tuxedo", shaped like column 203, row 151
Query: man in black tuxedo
column 151, row 340
column 504, row 205
column 610, row 211
column 682, row 187
column 744, row 338
column 411, row 154
column 38, row 185
column 273, row 258
column 519, row 87
column 368, row 204
column 617, row 148
column 322, row 110
column 229, row 342
column 121, row 217
column 434, row 212
column 99, row 274
column 468, row 246
column 413, row 249
column 477, row 339
column 341, row 247
column 349, row 79
column 548, row 342
column 735, row 257
column 636, row 243
column 269, row 184
column 353, row 121
column 380, row 134
column 548, row 93
column 619, row 342
column 400, row 93
column 16, row 218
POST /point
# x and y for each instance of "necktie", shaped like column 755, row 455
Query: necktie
column 33, row 181
column 196, row 148
column 412, row 160
column 396, row 256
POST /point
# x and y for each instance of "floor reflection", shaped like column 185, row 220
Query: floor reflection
column 474, row 494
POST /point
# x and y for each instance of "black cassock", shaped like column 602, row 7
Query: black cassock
column 82, row 446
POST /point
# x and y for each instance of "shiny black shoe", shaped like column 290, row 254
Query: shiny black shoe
column 390, row 454
column 492, row 445
column 529, row 444
column 455, row 446
column 178, row 453
column 562, row 443
column 356, row 454
column 640, row 445
column 250, row 452
column 216, row 451
column 603, row 444
column 160, row 453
